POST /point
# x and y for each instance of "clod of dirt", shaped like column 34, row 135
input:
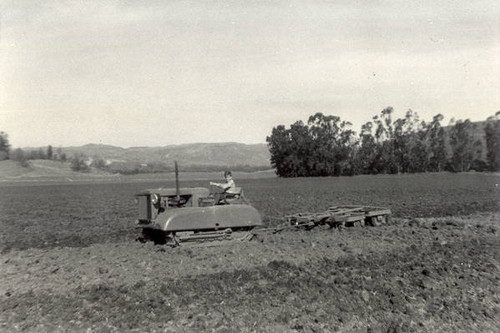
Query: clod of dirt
column 426, row 272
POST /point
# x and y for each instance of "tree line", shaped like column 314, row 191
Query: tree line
column 22, row 156
column 327, row 146
column 78, row 162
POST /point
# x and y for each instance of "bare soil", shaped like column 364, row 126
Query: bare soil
column 69, row 262
column 413, row 275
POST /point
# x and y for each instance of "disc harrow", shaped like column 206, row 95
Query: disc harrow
column 341, row 216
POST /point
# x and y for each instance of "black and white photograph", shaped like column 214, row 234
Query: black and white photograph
column 249, row 166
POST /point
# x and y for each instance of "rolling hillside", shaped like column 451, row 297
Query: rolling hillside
column 37, row 170
column 56, row 171
column 197, row 154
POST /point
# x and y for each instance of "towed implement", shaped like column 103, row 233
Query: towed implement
column 342, row 216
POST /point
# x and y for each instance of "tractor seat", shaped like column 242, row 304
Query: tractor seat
column 225, row 198
column 235, row 194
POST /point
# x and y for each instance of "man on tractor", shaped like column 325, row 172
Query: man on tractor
column 229, row 187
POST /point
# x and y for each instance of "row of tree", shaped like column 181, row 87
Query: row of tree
column 327, row 146
column 22, row 156
column 79, row 162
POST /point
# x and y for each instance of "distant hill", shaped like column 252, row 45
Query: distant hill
column 46, row 170
column 197, row 154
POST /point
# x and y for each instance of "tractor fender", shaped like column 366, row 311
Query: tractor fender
column 207, row 218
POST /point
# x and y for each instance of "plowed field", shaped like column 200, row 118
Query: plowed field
column 69, row 261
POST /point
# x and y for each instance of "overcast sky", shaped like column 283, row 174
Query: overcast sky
column 153, row 73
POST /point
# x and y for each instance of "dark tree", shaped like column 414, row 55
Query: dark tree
column 4, row 146
column 99, row 163
column 384, row 136
column 78, row 163
column 323, row 147
column 60, row 155
column 492, row 138
column 477, row 162
column 462, row 146
column 368, row 153
column 278, row 143
column 436, row 141
column 298, row 161
column 19, row 156
column 41, row 154
column 331, row 145
column 50, row 152
column 409, row 148
column 326, row 146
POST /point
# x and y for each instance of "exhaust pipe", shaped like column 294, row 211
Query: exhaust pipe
column 177, row 188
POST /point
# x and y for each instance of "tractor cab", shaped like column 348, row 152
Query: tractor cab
column 221, row 197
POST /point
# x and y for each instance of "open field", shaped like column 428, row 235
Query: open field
column 68, row 214
column 69, row 261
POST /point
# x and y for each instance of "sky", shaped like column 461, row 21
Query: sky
column 155, row 73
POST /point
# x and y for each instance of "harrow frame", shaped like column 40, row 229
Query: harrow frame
column 342, row 216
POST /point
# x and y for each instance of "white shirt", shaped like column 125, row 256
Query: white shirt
column 229, row 186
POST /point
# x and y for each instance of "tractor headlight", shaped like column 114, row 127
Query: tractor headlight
column 155, row 198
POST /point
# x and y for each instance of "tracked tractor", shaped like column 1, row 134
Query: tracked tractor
column 175, row 215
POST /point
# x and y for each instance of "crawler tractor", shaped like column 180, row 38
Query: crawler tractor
column 175, row 215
